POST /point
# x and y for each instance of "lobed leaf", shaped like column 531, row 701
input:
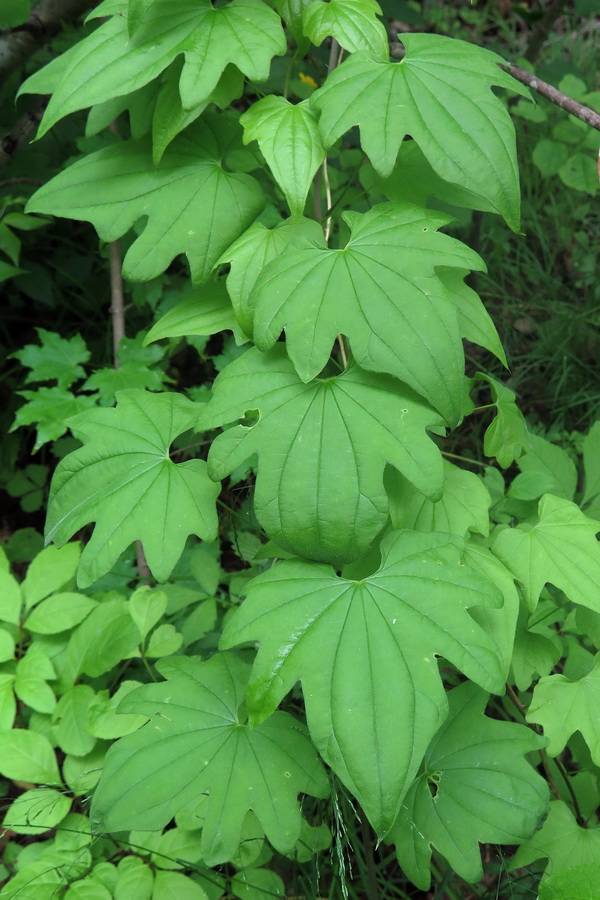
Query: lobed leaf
column 353, row 23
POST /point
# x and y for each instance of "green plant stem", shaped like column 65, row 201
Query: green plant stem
column 543, row 755
column 367, row 840
column 567, row 780
column 474, row 462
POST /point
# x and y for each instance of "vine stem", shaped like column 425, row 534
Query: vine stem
column 587, row 115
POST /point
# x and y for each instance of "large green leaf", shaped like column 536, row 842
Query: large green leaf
column 553, row 463
column 559, row 548
column 365, row 652
column 353, row 23
column 191, row 203
column 439, row 94
column 202, row 310
column 561, row 841
column 254, row 249
column 197, row 719
column 382, row 292
column 574, row 883
column 322, row 448
column 563, row 707
column 475, row 786
column 591, row 461
column 110, row 63
column 289, row 139
column 123, row 480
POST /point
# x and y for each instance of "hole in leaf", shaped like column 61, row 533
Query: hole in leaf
column 251, row 418
column 433, row 788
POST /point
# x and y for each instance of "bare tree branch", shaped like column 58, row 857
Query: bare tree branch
column 46, row 20
column 587, row 115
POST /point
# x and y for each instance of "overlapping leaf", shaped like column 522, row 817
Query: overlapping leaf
column 561, row 841
column 196, row 720
column 192, row 204
column 110, row 63
column 322, row 448
column 507, row 438
column 475, row 787
column 289, row 139
column 439, row 94
column 123, row 480
column 382, row 292
column 203, row 310
column 365, row 652
column 562, row 707
column 353, row 23
column 559, row 548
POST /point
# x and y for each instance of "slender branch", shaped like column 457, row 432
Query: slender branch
column 23, row 180
column 21, row 130
column 46, row 20
column 117, row 305
column 587, row 115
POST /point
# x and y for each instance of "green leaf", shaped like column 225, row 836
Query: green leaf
column 561, row 841
column 146, row 608
column 107, row 636
column 36, row 811
column 549, row 156
column 443, row 89
column 591, row 463
column 563, row 707
column 202, row 311
column 175, row 886
column 554, row 463
column 37, row 876
column 8, row 706
column 255, row 884
column 574, row 883
column 104, row 722
column 560, row 548
column 135, row 880
column 537, row 649
column 164, row 641
column 507, row 438
column 108, row 64
column 136, row 12
column 70, row 720
column 390, row 258
column 129, row 376
column 353, row 23
column 327, row 442
column 365, row 652
column 256, row 247
column 580, row 172
column 463, row 506
column 474, row 321
column 28, row 756
column 56, row 358
column 475, row 787
column 191, row 203
column 60, row 612
column 50, row 570
column 14, row 12
column 7, row 646
column 123, row 479
column 289, row 139
column 88, row 889
column 10, row 598
column 195, row 719
column 48, row 408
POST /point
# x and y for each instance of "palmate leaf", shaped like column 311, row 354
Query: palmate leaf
column 289, row 139
column 381, row 291
column 560, row 548
column 123, row 480
column 57, row 358
column 439, row 94
column 475, row 787
column 563, row 707
column 365, row 652
column 353, row 23
column 110, row 63
column 322, row 448
column 196, row 720
column 192, row 204
column 561, row 841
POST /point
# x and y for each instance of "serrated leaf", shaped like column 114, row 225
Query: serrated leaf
column 560, row 548
column 507, row 438
column 574, row 883
column 123, row 479
column 192, row 204
column 56, row 358
column 252, row 251
column 463, row 506
column 327, row 443
column 563, row 707
column 146, row 608
column 315, row 294
column 289, row 139
column 554, row 463
column 28, row 756
column 591, row 462
column 48, row 408
column 195, row 718
column 36, row 811
column 203, row 310
column 365, row 652
column 353, row 23
column 441, row 87
column 109, row 64
column 561, row 841
column 475, row 787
